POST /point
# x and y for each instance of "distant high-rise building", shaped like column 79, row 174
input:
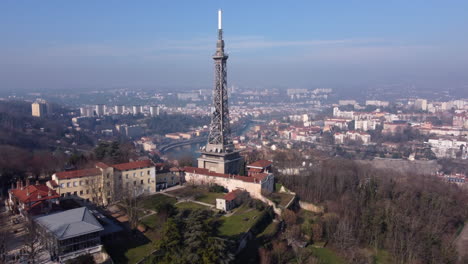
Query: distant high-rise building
column 154, row 111
column 40, row 108
column 420, row 104
column 219, row 154
column 83, row 111
column 118, row 109
column 99, row 110
column 136, row 109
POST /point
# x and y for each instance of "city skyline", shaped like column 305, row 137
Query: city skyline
column 99, row 45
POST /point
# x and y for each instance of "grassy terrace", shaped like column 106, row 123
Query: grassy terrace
column 209, row 197
column 152, row 202
column 239, row 222
column 280, row 199
column 197, row 193
column 190, row 205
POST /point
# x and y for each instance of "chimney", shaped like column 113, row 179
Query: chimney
column 12, row 185
column 37, row 182
column 21, row 184
column 50, row 192
column 27, row 191
column 39, row 195
column 18, row 184
column 27, row 182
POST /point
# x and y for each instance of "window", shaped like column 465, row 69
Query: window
column 62, row 195
column 134, row 174
column 141, row 173
column 149, row 172
column 141, row 182
column 75, row 193
column 87, row 191
column 108, row 184
column 108, row 174
column 68, row 193
column 81, row 183
column 75, row 183
column 87, row 182
column 81, row 192
column 108, row 193
column 62, row 185
column 134, row 183
column 68, row 184
column 148, row 180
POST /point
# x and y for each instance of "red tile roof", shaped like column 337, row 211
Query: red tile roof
column 78, row 173
column 36, row 193
column 102, row 165
column 260, row 164
column 231, row 195
column 53, row 183
column 258, row 177
column 255, row 170
column 134, row 165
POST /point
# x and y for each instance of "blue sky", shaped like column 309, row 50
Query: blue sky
column 103, row 44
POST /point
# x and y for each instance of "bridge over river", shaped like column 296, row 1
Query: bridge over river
column 165, row 148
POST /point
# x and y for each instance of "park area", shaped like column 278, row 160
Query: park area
column 152, row 214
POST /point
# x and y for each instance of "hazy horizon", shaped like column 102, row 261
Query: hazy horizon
column 92, row 45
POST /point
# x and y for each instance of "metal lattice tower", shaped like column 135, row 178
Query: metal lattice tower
column 219, row 139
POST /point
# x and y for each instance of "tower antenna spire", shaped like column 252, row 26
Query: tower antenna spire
column 220, row 19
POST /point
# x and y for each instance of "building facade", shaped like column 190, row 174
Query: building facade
column 106, row 183
column 70, row 234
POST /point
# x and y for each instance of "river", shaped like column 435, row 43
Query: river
column 192, row 150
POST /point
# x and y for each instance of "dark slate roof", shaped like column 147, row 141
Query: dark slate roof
column 70, row 223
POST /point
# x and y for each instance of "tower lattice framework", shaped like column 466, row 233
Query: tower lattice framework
column 219, row 139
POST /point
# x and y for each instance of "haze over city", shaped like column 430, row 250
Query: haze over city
column 151, row 44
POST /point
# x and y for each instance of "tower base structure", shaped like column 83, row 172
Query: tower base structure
column 227, row 163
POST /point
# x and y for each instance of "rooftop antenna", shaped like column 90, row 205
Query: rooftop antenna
column 220, row 19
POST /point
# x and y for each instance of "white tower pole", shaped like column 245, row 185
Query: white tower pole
column 220, row 13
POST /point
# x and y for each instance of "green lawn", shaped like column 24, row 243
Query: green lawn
column 326, row 256
column 136, row 254
column 209, row 197
column 239, row 222
column 152, row 202
column 280, row 199
column 190, row 205
column 269, row 230
column 188, row 191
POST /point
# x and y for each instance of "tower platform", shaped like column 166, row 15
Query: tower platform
column 227, row 163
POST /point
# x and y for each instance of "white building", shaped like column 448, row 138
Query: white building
column 377, row 103
column 99, row 110
column 449, row 148
column 365, row 125
column 154, row 111
column 40, row 108
column 341, row 138
column 253, row 184
column 343, row 114
column 136, row 109
column 118, row 109
column 420, row 104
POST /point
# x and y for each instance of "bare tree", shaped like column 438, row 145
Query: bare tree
column 31, row 240
column 130, row 202
column 4, row 237
column 96, row 188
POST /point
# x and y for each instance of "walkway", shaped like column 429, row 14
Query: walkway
column 183, row 200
